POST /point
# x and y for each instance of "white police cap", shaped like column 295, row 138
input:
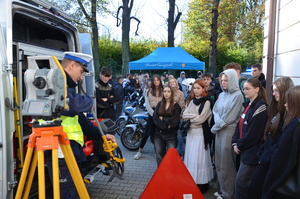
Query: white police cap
column 82, row 58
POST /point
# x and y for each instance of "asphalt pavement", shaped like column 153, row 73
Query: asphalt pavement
column 136, row 177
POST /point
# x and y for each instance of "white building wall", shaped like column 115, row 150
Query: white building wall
column 287, row 40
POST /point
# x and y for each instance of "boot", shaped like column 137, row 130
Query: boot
column 203, row 187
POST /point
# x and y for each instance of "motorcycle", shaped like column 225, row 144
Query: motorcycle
column 132, row 134
column 130, row 108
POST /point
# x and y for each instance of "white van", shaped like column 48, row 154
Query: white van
column 28, row 28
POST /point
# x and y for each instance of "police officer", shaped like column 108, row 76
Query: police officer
column 74, row 122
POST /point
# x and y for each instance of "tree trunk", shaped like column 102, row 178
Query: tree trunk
column 171, row 27
column 213, row 38
column 125, row 36
column 95, row 39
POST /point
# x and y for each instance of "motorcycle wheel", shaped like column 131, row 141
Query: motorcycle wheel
column 131, row 139
column 121, row 123
column 120, row 166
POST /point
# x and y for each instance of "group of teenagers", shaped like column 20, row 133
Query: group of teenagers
column 255, row 146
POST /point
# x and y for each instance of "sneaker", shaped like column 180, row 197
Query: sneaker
column 218, row 194
column 220, row 197
column 138, row 155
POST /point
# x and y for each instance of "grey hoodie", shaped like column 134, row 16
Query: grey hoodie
column 228, row 108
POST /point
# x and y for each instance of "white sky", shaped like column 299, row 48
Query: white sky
column 152, row 14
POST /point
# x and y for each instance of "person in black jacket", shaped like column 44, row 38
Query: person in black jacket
column 286, row 157
column 119, row 96
column 248, row 134
column 105, row 95
column 212, row 92
column 166, row 117
column 256, row 72
column 272, row 135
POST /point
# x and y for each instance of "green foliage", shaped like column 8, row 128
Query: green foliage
column 111, row 52
column 231, row 53
column 240, row 31
column 143, row 48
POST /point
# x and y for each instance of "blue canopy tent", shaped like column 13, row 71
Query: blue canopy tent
column 167, row 58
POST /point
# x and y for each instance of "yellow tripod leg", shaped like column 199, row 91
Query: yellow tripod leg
column 24, row 174
column 41, row 173
column 30, row 175
column 18, row 134
column 55, row 174
column 74, row 170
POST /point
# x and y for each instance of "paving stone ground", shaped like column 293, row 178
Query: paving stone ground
column 136, row 177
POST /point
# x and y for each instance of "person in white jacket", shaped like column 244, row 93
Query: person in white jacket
column 226, row 111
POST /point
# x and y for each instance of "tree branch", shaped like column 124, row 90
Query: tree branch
column 177, row 18
column 84, row 11
column 118, row 19
column 137, row 26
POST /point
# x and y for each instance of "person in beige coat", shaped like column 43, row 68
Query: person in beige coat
column 178, row 94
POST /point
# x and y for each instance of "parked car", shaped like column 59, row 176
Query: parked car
column 247, row 73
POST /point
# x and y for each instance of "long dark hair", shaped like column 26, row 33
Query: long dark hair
column 292, row 100
column 153, row 89
column 277, row 108
column 162, row 109
column 255, row 83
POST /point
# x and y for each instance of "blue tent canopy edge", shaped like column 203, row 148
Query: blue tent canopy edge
column 167, row 58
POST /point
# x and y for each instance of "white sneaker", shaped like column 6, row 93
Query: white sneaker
column 217, row 194
column 138, row 155
column 220, row 197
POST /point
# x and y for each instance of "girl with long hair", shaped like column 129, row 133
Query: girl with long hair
column 197, row 152
column 179, row 98
column 178, row 94
column 153, row 96
column 286, row 156
column 273, row 131
column 166, row 118
column 248, row 134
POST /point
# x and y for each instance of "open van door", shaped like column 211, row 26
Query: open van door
column 6, row 123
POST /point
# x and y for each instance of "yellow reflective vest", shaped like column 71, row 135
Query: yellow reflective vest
column 73, row 129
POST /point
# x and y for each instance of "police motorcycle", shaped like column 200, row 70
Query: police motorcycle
column 188, row 82
column 133, row 105
column 132, row 134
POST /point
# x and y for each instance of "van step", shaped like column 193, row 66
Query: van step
column 90, row 176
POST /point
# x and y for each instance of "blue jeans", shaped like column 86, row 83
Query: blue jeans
column 119, row 109
column 181, row 142
column 148, row 132
column 162, row 142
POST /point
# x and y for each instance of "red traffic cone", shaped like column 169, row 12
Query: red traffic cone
column 172, row 180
